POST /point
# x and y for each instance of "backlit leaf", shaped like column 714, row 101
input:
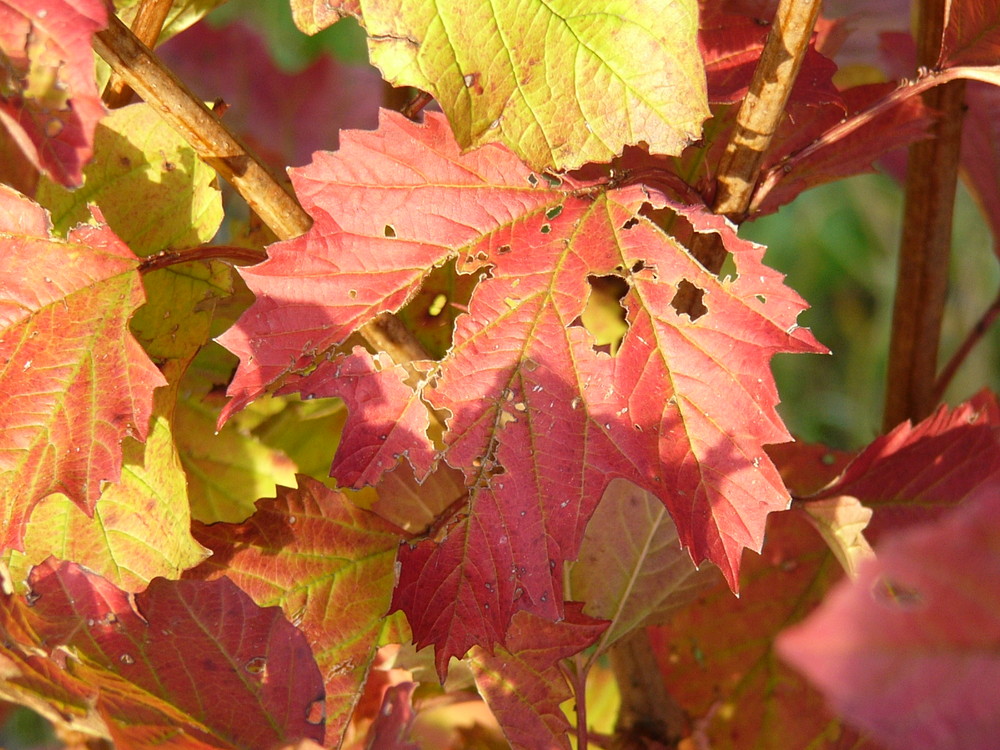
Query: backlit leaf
column 631, row 569
column 48, row 95
column 190, row 658
column 522, row 682
column 328, row 565
column 539, row 422
column 559, row 83
column 141, row 526
column 73, row 381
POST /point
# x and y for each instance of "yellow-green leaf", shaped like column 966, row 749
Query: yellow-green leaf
column 141, row 526
column 560, row 82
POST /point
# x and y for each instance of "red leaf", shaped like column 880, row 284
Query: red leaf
column 191, row 656
column 284, row 117
column 908, row 650
column 392, row 725
column 731, row 45
column 522, row 682
column 917, row 473
column 329, row 565
column 717, row 656
column 981, row 151
column 809, row 153
column 49, row 101
column 64, row 339
column 386, row 418
column 972, row 34
column 540, row 421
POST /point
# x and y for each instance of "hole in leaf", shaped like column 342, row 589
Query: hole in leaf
column 546, row 228
column 352, row 293
column 430, row 315
column 551, row 179
column 503, row 249
column 604, row 316
column 630, row 223
column 532, row 180
column 761, row 298
column 389, row 231
column 688, row 300
column 553, row 212
column 638, row 266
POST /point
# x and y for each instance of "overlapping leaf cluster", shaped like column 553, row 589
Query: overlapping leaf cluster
column 519, row 494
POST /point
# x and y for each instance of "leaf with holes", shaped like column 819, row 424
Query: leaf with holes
column 64, row 339
column 538, row 420
column 561, row 84
column 49, row 102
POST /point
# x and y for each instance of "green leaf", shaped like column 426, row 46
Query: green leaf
column 561, row 83
column 153, row 190
column 632, row 569
column 229, row 470
column 141, row 527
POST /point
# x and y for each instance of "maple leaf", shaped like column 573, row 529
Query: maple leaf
column 636, row 74
column 329, row 565
column 64, row 310
column 539, row 421
column 159, row 666
column 918, row 472
column 522, row 682
column 971, row 35
column 49, row 101
column 888, row 649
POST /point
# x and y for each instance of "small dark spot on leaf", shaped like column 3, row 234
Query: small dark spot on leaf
column 169, row 166
column 352, row 293
column 638, row 266
column 503, row 249
column 761, row 298
column 895, row 595
column 546, row 228
column 553, row 212
column 689, row 300
column 532, row 180
column 630, row 223
column 389, row 231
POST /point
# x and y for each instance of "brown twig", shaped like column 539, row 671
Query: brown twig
column 925, row 245
column 416, row 104
column 222, row 150
column 975, row 335
column 228, row 253
column 764, row 105
column 147, row 25
column 758, row 119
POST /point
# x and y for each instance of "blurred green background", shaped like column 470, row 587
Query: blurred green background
column 838, row 245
